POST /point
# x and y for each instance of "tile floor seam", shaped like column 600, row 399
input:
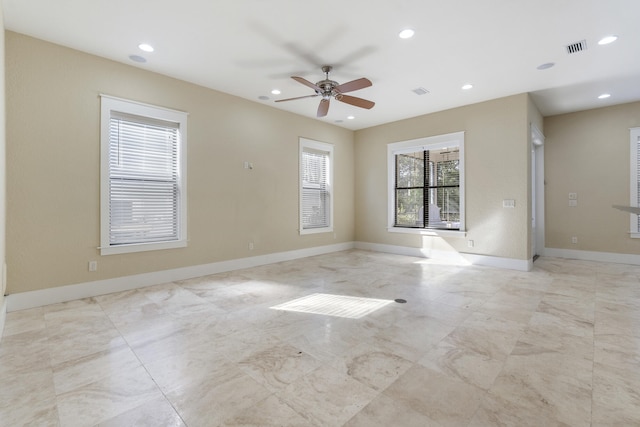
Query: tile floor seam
column 164, row 396
column 142, row 364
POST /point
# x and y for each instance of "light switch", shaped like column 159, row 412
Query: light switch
column 508, row 203
column 573, row 203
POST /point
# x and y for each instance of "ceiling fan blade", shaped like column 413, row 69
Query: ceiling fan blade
column 307, row 83
column 323, row 108
column 353, row 85
column 358, row 102
column 297, row 97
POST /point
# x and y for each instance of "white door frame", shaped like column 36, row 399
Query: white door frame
column 537, row 187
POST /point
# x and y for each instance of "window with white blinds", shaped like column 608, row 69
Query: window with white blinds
column 142, row 190
column 634, row 198
column 316, row 198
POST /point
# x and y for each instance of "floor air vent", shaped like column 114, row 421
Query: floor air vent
column 577, row 47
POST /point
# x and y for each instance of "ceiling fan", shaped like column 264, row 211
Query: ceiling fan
column 328, row 88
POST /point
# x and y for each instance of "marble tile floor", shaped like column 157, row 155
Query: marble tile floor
column 472, row 346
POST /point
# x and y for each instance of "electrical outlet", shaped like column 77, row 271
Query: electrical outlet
column 573, row 203
column 470, row 243
column 93, row 265
column 573, row 196
column 574, row 240
column 250, row 246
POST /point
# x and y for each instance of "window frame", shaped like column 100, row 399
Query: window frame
column 109, row 104
column 308, row 144
column 634, row 146
column 455, row 139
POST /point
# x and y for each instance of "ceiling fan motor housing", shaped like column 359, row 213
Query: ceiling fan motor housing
column 327, row 87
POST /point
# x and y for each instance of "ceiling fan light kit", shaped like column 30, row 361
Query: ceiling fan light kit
column 328, row 89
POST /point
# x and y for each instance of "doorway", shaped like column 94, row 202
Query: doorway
column 537, row 192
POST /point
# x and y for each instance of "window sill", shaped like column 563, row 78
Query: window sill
column 428, row 232
column 316, row 230
column 634, row 235
column 141, row 247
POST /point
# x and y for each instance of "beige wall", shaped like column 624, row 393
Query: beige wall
column 497, row 167
column 588, row 153
column 52, row 155
column 53, row 169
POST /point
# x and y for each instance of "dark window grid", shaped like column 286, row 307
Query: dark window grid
column 426, row 199
column 426, row 190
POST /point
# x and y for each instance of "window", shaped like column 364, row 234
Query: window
column 143, row 185
column 635, row 180
column 426, row 184
column 316, row 194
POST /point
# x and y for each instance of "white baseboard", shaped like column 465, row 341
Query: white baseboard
column 615, row 258
column 24, row 300
column 31, row 299
column 3, row 315
column 450, row 256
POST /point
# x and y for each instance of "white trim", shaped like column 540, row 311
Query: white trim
column 3, row 316
column 537, row 142
column 325, row 148
column 428, row 142
column 612, row 257
column 428, row 232
column 413, row 145
column 450, row 256
column 537, row 137
column 107, row 105
column 144, row 105
column 634, row 138
column 24, row 300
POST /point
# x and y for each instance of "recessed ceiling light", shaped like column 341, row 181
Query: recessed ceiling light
column 145, row 47
column 604, row 96
column 263, row 98
column 137, row 58
column 546, row 65
column 607, row 40
column 351, row 117
column 467, row 86
column 338, row 121
column 406, row 33
column 275, row 92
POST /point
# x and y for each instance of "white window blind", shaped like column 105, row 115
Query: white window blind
column 143, row 180
column 142, row 203
column 316, row 211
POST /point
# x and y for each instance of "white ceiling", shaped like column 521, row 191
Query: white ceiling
column 249, row 47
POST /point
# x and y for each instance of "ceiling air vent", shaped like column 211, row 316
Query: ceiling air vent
column 420, row 91
column 577, row 47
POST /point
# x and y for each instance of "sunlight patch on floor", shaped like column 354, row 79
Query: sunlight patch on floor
column 334, row 305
